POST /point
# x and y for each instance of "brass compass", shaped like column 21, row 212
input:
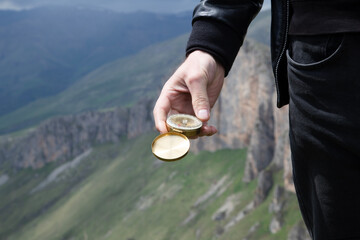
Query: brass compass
column 175, row 144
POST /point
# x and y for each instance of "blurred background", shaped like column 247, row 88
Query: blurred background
column 79, row 80
column 160, row 6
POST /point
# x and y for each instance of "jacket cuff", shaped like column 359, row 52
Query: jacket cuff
column 217, row 39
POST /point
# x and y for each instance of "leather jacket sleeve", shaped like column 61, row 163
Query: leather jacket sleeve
column 219, row 28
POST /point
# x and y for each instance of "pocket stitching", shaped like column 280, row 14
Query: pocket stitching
column 314, row 64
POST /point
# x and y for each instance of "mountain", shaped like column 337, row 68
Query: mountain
column 119, row 83
column 70, row 164
column 170, row 6
column 91, row 175
column 45, row 50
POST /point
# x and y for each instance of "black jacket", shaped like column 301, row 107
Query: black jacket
column 219, row 28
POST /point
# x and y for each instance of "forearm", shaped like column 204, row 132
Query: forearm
column 219, row 27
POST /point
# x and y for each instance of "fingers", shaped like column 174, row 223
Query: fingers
column 200, row 101
column 161, row 109
column 205, row 131
column 188, row 91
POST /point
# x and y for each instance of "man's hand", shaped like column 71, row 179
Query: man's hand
column 192, row 89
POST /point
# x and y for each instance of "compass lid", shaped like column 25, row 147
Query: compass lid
column 170, row 146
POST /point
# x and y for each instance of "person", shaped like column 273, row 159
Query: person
column 315, row 48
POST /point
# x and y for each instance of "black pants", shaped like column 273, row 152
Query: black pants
column 324, row 84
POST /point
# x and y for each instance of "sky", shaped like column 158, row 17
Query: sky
column 170, row 6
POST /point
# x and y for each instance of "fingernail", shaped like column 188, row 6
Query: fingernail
column 203, row 114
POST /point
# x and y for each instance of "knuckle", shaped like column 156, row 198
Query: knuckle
column 200, row 101
column 194, row 78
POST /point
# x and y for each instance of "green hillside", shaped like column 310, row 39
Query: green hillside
column 119, row 83
column 120, row 191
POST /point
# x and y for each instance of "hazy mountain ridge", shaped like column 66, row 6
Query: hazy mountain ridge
column 107, row 85
column 171, row 6
column 45, row 50
column 118, row 83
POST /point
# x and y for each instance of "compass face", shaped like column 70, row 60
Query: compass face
column 185, row 124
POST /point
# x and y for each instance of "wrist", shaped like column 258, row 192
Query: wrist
column 208, row 59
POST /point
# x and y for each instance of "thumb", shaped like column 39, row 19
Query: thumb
column 200, row 100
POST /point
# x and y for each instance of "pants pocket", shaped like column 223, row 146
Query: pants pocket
column 308, row 51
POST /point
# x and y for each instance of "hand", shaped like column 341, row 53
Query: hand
column 192, row 89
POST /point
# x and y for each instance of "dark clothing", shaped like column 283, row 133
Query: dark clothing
column 318, row 75
column 227, row 21
column 309, row 17
column 219, row 28
column 324, row 132
column 223, row 22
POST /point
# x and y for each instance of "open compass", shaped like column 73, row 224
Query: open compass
column 175, row 144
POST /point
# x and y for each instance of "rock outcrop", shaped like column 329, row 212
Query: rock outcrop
column 265, row 183
column 63, row 138
column 299, row 232
column 248, row 86
column 278, row 201
column 282, row 154
column 246, row 115
column 276, row 207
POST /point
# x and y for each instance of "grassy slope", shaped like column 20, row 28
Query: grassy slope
column 119, row 192
column 119, row 83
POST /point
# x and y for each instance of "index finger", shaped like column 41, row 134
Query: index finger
column 161, row 110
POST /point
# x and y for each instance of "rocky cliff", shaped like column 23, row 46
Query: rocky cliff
column 246, row 115
column 63, row 138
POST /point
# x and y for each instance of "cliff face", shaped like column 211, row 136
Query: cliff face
column 248, row 86
column 246, row 115
column 282, row 154
column 63, row 138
